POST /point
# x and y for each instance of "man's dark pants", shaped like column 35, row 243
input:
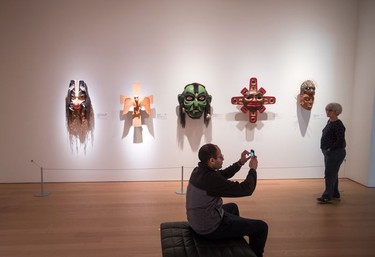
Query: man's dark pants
column 233, row 226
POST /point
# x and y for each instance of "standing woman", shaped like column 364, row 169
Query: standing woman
column 333, row 146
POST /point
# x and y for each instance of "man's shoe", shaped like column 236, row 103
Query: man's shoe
column 323, row 200
column 336, row 198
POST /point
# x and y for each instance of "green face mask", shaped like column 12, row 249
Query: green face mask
column 194, row 101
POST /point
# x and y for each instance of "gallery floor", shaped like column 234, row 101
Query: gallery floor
column 122, row 218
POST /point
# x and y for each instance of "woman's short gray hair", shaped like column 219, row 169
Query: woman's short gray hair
column 336, row 107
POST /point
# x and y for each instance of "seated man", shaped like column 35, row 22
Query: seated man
column 206, row 213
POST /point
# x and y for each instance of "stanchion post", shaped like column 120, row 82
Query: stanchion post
column 41, row 193
column 181, row 191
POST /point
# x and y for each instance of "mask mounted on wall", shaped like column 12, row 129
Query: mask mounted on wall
column 79, row 112
column 137, row 105
column 307, row 94
column 195, row 102
column 253, row 100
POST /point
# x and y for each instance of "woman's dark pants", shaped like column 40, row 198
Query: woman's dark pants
column 332, row 163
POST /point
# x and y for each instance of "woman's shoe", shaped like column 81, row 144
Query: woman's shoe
column 323, row 200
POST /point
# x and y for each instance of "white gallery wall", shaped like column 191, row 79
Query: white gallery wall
column 361, row 146
column 164, row 45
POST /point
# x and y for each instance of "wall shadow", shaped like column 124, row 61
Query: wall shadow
column 303, row 117
column 147, row 121
column 195, row 130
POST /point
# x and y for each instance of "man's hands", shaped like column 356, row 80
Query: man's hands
column 253, row 164
column 245, row 156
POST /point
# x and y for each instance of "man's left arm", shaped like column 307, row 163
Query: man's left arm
column 235, row 167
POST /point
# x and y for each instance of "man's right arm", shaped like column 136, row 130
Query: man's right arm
column 220, row 186
column 227, row 188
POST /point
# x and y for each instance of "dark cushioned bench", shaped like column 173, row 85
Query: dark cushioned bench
column 179, row 240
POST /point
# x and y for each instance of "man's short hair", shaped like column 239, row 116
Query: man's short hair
column 206, row 152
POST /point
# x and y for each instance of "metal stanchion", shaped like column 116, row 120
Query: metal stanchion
column 181, row 191
column 41, row 193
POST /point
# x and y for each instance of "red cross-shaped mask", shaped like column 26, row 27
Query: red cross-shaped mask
column 253, row 100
